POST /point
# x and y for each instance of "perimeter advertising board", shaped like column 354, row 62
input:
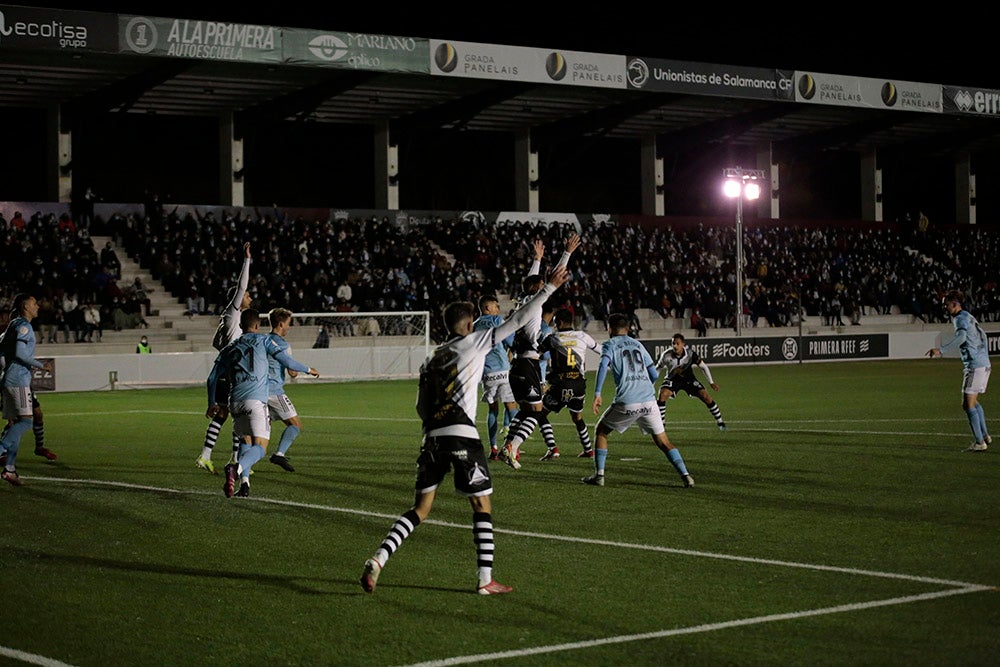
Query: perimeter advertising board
column 972, row 101
column 57, row 30
column 349, row 50
column 517, row 63
column 203, row 40
column 856, row 91
column 675, row 76
column 772, row 349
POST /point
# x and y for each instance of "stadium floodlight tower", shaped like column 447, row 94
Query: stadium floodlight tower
column 741, row 183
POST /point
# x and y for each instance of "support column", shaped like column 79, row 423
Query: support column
column 769, row 204
column 525, row 173
column 965, row 190
column 231, row 167
column 651, row 167
column 59, row 158
column 386, row 169
column 871, row 187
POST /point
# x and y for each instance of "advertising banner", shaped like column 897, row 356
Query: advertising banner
column 674, row 76
column 57, row 30
column 202, row 40
column 348, row 50
column 993, row 341
column 856, row 91
column 972, row 101
column 42, row 380
column 517, row 63
column 769, row 349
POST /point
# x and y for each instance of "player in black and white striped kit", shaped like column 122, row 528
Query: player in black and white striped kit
column 679, row 361
column 447, row 402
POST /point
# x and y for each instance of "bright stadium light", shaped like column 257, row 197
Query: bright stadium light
column 741, row 183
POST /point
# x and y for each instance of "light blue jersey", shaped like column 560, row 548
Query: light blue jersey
column 19, row 353
column 245, row 360
column 277, row 362
column 497, row 359
column 632, row 368
column 970, row 340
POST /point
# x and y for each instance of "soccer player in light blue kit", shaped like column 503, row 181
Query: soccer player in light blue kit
column 19, row 360
column 635, row 403
column 970, row 341
column 278, row 404
column 244, row 361
column 496, row 373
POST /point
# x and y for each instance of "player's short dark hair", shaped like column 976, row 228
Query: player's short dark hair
column 532, row 284
column 679, row 335
column 617, row 322
column 249, row 319
column 954, row 295
column 548, row 307
column 456, row 312
column 485, row 299
column 18, row 304
column 278, row 316
column 563, row 316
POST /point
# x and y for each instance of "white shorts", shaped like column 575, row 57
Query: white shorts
column 250, row 419
column 974, row 380
column 17, row 402
column 280, row 407
column 620, row 416
column 496, row 387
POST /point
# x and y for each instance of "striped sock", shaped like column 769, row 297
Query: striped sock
column 482, row 535
column 546, row 428
column 400, row 530
column 663, row 410
column 713, row 407
column 211, row 436
column 39, row 429
column 581, row 430
column 523, row 429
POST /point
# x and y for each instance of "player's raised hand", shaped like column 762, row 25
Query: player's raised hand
column 573, row 242
column 246, row 249
column 539, row 247
column 558, row 276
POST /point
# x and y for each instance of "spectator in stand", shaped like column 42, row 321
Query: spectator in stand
column 92, row 323
column 141, row 293
column 698, row 323
column 109, row 260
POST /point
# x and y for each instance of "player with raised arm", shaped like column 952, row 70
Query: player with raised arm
column 971, row 344
column 18, row 349
column 567, row 349
column 278, row 404
column 525, row 370
column 634, row 373
column 496, row 372
column 680, row 360
column 245, row 363
column 446, row 403
column 227, row 331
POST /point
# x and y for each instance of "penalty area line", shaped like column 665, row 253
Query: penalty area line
column 695, row 629
column 31, row 658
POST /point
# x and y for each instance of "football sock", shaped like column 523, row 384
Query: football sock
column 521, row 429
column 713, row 407
column 400, row 530
column 977, row 430
column 663, row 410
column 211, row 435
column 287, row 438
column 982, row 419
column 249, row 457
column 581, row 430
column 482, row 535
column 491, row 426
column 237, row 445
column 12, row 440
column 600, row 457
column 674, row 455
column 39, row 429
column 546, row 428
column 508, row 415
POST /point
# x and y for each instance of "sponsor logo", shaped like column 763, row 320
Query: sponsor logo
column 865, row 345
column 638, row 72
column 729, row 350
column 327, row 47
column 446, row 57
column 789, row 348
column 889, row 94
column 807, row 87
column 637, row 412
column 66, row 35
column 963, row 100
column 141, row 35
column 980, row 101
column 555, row 66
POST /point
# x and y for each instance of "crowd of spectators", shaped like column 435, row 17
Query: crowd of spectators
column 833, row 274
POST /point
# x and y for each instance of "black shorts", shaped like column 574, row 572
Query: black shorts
column 565, row 393
column 222, row 391
column 526, row 380
column 683, row 383
column 440, row 454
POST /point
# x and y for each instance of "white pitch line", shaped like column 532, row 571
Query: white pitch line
column 544, row 536
column 31, row 658
column 707, row 627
